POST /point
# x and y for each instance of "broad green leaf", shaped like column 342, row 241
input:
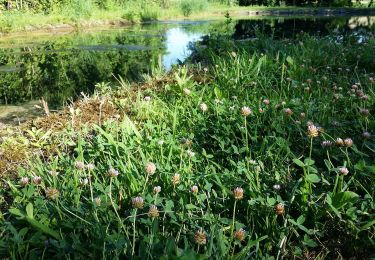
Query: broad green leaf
column 45, row 229
column 299, row 162
column 290, row 60
column 313, row 178
column 16, row 212
column 30, row 210
column 342, row 198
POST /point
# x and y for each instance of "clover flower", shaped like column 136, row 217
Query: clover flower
column 157, row 189
column 24, row 181
column 52, row 193
column 112, row 172
column 348, row 142
column 288, row 111
column 344, row 171
column 238, row 193
column 312, row 131
column 90, row 167
column 279, row 209
column 203, row 107
column 150, row 168
column 194, row 189
column 79, row 165
column 37, row 180
column 366, row 135
column 245, row 111
column 187, row 91
column 200, row 237
column 147, row 98
column 239, row 235
column 138, row 202
column 176, row 179
column 266, row 102
column 339, row 142
column 153, row 212
column 327, row 144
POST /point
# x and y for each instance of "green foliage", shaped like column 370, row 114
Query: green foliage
column 188, row 7
column 266, row 187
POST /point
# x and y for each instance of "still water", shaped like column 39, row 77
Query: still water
column 59, row 66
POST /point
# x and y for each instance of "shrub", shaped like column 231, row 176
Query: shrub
column 189, row 6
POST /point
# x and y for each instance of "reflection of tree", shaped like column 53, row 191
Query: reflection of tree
column 280, row 28
column 58, row 70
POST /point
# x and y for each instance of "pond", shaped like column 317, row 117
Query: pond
column 58, row 66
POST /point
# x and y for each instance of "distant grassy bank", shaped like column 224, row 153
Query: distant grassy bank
column 66, row 19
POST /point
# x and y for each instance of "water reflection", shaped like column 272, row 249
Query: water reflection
column 59, row 67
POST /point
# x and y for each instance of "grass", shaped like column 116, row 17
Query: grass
column 236, row 157
column 16, row 21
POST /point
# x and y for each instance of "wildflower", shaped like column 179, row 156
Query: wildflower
column 354, row 87
column 307, row 89
column 157, row 189
column 112, row 172
column 348, row 142
column 239, row 234
column 97, row 201
column 234, row 97
column 238, row 193
column 200, row 237
column 205, row 69
column 326, row 144
column 279, row 209
column 84, row 181
column 153, row 212
column 364, row 112
column 138, row 202
column 302, row 115
column 245, row 111
column 312, row 131
column 187, row 91
column 344, row 171
column 147, row 98
column 54, row 173
column 37, row 180
column 234, row 55
column 194, row 189
column 176, row 179
column 90, row 167
column 261, row 110
column 371, row 79
column 203, row 107
column 288, row 79
column 161, row 142
column 276, row 187
column 366, row 135
column 309, row 81
column 340, row 142
column 283, row 103
column 150, row 168
column 266, row 102
column 364, row 97
column 79, row 165
column 52, row 193
column 24, row 181
column 190, row 153
column 288, row 111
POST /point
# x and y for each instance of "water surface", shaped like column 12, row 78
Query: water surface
column 59, row 66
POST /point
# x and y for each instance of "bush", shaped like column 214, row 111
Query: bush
column 189, row 6
column 149, row 15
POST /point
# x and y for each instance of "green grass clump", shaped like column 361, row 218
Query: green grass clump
column 238, row 159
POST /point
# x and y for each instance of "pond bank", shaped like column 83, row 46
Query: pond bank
column 237, row 12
